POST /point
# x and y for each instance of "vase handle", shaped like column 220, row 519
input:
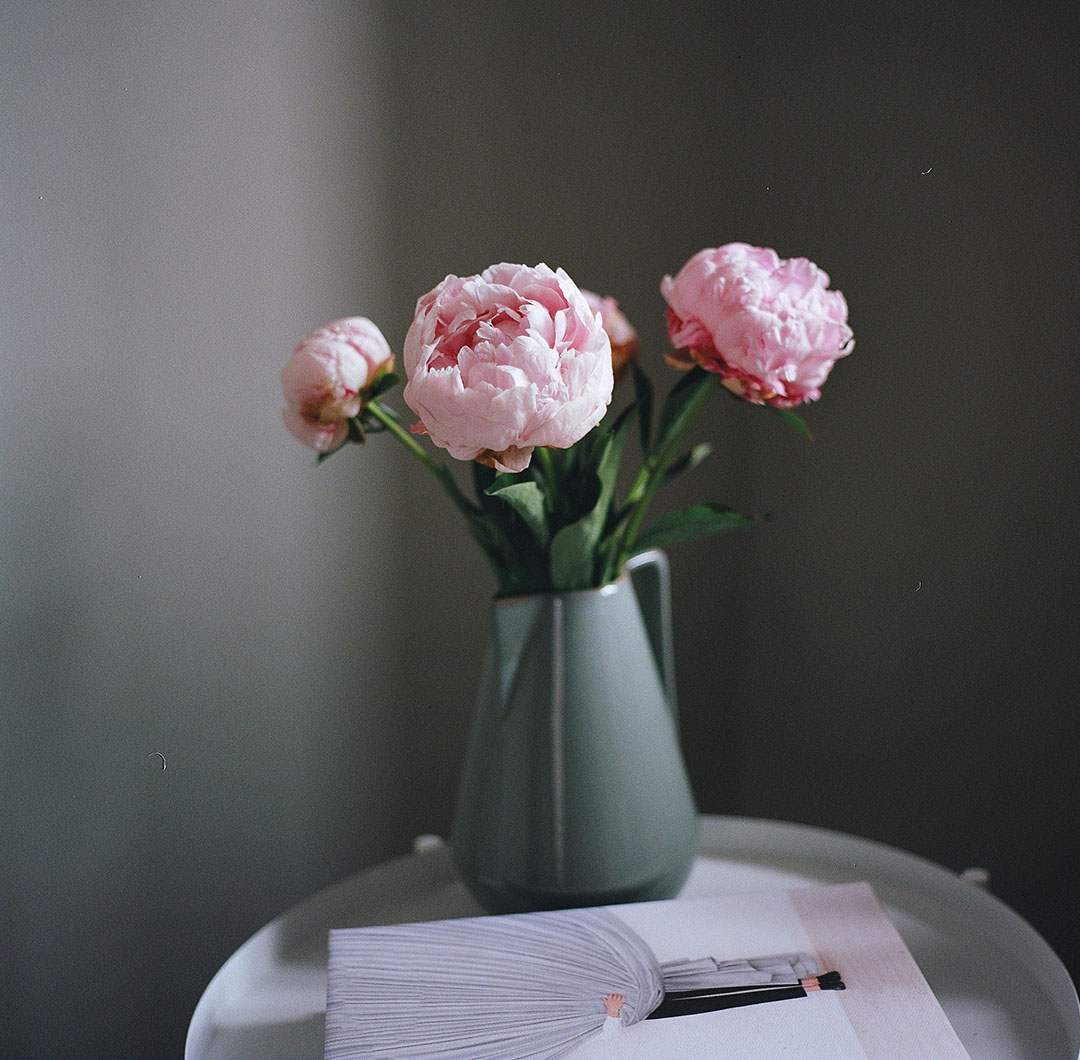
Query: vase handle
column 651, row 577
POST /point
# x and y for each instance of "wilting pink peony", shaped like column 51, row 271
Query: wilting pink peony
column 769, row 327
column 505, row 361
column 624, row 339
column 326, row 380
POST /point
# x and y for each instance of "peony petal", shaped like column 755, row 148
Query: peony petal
column 770, row 328
column 323, row 438
column 499, row 360
column 325, row 380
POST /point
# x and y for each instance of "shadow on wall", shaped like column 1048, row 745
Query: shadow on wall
column 888, row 651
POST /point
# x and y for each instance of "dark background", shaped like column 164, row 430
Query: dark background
column 189, row 189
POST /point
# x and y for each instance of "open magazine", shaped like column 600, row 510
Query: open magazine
column 810, row 972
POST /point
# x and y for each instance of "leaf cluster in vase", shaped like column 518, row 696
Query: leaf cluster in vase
column 513, row 370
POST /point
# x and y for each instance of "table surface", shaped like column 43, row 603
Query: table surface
column 1005, row 991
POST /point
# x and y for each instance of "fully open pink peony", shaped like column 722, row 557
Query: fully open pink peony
column 505, row 361
column 325, row 380
column 769, row 327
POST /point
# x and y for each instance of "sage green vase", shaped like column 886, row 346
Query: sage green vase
column 574, row 791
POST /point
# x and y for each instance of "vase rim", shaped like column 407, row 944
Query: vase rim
column 603, row 590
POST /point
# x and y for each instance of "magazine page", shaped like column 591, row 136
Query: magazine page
column 811, row 972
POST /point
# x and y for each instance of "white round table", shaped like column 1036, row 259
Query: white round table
column 1005, row 991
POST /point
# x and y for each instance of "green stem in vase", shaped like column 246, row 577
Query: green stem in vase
column 440, row 471
column 546, row 472
column 696, row 397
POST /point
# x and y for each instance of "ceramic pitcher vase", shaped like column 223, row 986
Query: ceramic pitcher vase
column 574, row 791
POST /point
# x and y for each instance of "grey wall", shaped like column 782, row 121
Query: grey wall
column 189, row 188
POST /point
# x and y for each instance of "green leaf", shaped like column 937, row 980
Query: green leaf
column 527, row 499
column 486, row 534
column 482, row 476
column 572, row 557
column 358, row 432
column 574, row 547
column 686, row 462
column 382, row 385
column 643, row 398
column 701, row 520
column 678, row 401
column 490, row 540
column 633, row 409
column 516, row 569
column 793, row 419
column 607, row 567
column 516, row 558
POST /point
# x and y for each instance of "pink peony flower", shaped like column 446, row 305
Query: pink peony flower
column 769, row 327
column 624, row 339
column 505, row 361
column 328, row 377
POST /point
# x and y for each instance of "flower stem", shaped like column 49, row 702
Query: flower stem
column 652, row 470
column 546, row 472
column 440, row 471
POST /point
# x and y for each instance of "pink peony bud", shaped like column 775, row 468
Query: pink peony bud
column 624, row 340
column 769, row 327
column 328, row 377
column 505, row 361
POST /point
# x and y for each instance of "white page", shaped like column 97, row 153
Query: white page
column 729, row 928
column 416, row 990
